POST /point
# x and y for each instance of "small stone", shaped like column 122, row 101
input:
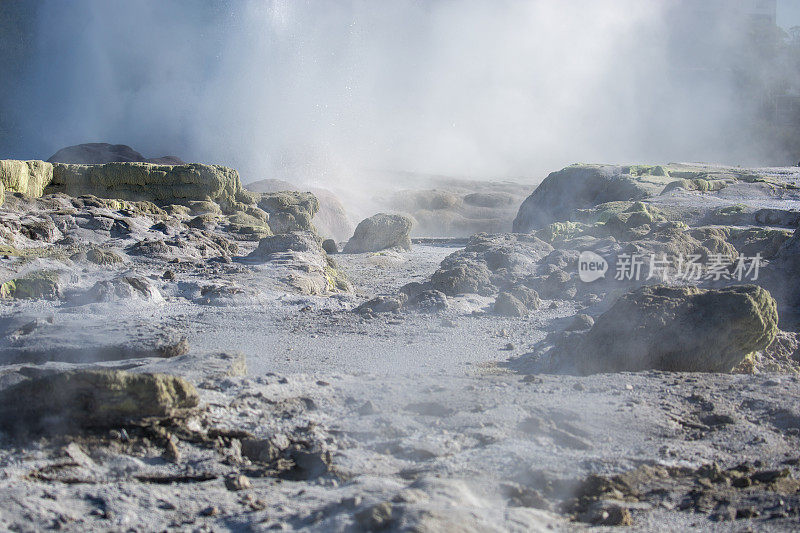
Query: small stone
column 168, row 275
column 236, row 482
column 376, row 517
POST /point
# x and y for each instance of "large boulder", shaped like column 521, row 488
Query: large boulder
column 681, row 329
column 92, row 399
column 160, row 184
column 26, row 177
column 100, row 153
column 380, row 232
column 289, row 210
column 584, row 186
column 330, row 215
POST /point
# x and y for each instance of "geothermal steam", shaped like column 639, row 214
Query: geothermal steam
column 314, row 91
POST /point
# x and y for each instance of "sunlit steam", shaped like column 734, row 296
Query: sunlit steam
column 323, row 91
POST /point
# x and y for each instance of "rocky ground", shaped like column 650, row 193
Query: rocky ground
column 181, row 353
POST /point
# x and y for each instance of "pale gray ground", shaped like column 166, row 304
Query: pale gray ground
column 423, row 413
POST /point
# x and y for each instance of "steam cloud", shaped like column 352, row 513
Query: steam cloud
column 313, row 90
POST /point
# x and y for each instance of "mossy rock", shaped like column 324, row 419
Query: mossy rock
column 578, row 187
column 202, row 207
column 560, row 231
column 40, row 284
column 679, row 329
column 645, row 170
column 26, row 177
column 697, row 184
column 100, row 399
column 289, row 210
column 160, row 184
column 335, row 278
column 100, row 256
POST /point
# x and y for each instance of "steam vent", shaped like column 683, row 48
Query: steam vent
column 399, row 266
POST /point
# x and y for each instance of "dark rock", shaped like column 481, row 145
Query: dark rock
column 330, row 247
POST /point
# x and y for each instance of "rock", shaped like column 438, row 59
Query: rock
column 376, row 517
column 92, row 399
column 125, row 288
column 507, row 305
column 489, row 199
column 581, row 322
column 584, row 186
column 289, row 210
column 40, row 230
column 236, row 482
column 490, row 261
column 204, row 221
column 529, row 297
column 330, row 218
column 39, row 284
column 789, row 218
column 606, row 514
column 99, row 153
column 286, row 242
column 26, row 177
column 464, row 277
column 260, row 450
column 429, row 301
column 101, row 256
column 382, row 304
column 330, row 247
column 681, row 329
column 174, row 349
column 161, row 184
column 380, row 232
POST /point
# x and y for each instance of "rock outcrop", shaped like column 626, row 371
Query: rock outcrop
column 380, row 232
column 679, row 329
column 91, row 399
column 160, row 184
column 26, row 177
column 330, row 218
column 289, row 210
column 584, row 186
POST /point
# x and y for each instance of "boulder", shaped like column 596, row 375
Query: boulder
column 92, row 399
column 508, row 305
column 680, row 329
column 584, row 186
column 285, row 242
column 380, row 232
column 289, row 210
column 124, row 288
column 39, row 284
column 100, row 153
column 26, row 177
column 160, row 184
column 463, row 277
column 330, row 246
